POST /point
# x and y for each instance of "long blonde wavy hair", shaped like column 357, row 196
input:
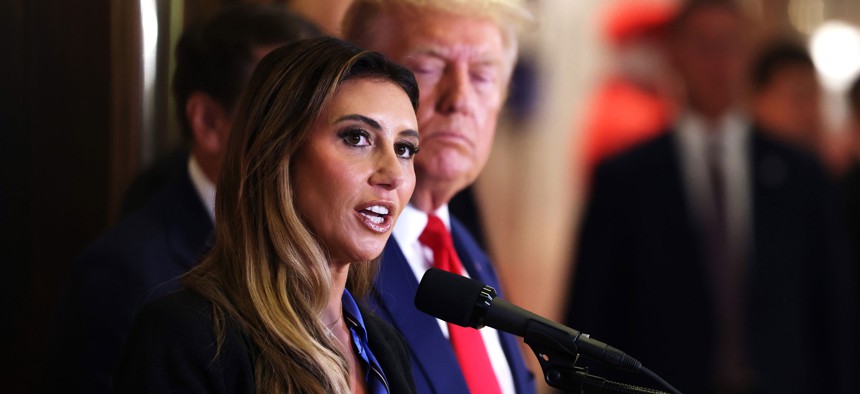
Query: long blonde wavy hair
column 267, row 271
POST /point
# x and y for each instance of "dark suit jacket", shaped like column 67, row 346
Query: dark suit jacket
column 166, row 169
column 641, row 285
column 434, row 364
column 171, row 348
column 137, row 260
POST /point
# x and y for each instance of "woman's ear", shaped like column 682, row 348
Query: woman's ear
column 209, row 123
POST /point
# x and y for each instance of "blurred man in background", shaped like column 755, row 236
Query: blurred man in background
column 462, row 54
column 143, row 256
column 714, row 253
column 786, row 95
column 851, row 180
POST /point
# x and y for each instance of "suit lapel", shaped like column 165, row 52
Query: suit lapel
column 189, row 227
column 777, row 238
column 473, row 259
column 677, row 216
column 395, row 292
column 479, row 268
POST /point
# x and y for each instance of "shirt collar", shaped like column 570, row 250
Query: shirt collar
column 412, row 221
column 205, row 188
column 352, row 314
column 377, row 383
column 693, row 129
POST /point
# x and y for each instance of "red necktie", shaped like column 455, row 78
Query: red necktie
column 467, row 342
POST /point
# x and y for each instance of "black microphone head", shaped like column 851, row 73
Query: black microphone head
column 453, row 298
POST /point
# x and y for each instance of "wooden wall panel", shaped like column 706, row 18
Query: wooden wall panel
column 59, row 158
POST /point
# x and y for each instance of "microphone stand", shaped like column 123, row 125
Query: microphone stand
column 559, row 366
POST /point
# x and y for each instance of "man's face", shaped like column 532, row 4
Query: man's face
column 462, row 70
column 789, row 104
column 710, row 52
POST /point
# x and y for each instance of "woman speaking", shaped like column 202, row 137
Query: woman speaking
column 318, row 168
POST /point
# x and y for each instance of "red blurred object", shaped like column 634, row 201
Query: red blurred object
column 632, row 104
column 627, row 19
column 621, row 115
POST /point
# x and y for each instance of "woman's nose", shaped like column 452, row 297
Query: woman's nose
column 389, row 172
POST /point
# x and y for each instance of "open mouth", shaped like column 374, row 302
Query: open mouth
column 377, row 217
column 375, row 213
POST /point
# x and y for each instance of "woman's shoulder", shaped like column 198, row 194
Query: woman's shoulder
column 184, row 308
column 375, row 325
column 183, row 318
column 173, row 346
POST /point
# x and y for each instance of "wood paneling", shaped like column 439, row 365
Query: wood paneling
column 59, row 157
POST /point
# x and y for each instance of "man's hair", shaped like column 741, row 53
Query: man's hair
column 775, row 57
column 510, row 15
column 216, row 57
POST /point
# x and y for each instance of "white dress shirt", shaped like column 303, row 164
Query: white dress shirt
column 205, row 188
column 408, row 228
column 727, row 142
column 731, row 132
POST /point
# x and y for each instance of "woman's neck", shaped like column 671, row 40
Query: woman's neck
column 333, row 318
column 334, row 311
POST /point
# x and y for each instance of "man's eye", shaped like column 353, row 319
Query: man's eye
column 427, row 70
column 482, row 77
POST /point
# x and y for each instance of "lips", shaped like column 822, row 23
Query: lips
column 377, row 216
column 449, row 136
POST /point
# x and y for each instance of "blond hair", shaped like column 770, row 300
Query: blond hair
column 510, row 16
column 267, row 271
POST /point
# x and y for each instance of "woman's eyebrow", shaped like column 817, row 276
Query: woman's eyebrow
column 360, row 118
column 409, row 133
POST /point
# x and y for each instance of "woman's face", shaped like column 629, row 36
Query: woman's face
column 354, row 174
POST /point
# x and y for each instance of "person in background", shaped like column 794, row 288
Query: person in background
column 213, row 64
column 635, row 101
column 850, row 181
column 462, row 54
column 325, row 14
column 714, row 253
column 142, row 255
column 318, row 168
column 785, row 95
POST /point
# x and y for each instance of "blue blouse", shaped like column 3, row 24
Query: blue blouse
column 374, row 376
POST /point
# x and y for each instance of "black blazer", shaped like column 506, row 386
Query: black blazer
column 138, row 260
column 641, row 282
column 171, row 349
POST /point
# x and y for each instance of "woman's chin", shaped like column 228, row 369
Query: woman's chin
column 365, row 253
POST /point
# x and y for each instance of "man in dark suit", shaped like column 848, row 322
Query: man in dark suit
column 462, row 56
column 144, row 255
column 712, row 253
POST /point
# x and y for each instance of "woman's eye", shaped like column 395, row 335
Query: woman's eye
column 405, row 150
column 356, row 138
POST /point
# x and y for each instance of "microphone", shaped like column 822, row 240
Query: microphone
column 469, row 303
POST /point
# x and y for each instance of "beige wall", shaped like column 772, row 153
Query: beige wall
column 528, row 191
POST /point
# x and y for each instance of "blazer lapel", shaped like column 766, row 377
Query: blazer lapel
column 190, row 229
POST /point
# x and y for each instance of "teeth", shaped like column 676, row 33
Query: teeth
column 379, row 210
column 374, row 219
